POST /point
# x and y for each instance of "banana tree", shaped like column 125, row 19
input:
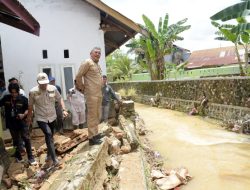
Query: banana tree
column 238, row 35
column 160, row 42
column 235, row 11
column 145, row 55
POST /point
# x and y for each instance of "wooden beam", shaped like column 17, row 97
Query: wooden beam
column 111, row 44
column 108, row 28
column 108, row 21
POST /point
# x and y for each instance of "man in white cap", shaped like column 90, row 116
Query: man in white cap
column 43, row 97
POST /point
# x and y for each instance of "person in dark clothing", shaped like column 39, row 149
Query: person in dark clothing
column 108, row 94
column 59, row 111
column 16, row 110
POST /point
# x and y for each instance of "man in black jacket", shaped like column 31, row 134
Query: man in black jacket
column 16, row 110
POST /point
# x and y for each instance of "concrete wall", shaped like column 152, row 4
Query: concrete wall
column 65, row 24
column 228, row 97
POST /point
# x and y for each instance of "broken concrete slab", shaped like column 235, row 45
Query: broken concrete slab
column 83, row 171
column 131, row 172
column 130, row 131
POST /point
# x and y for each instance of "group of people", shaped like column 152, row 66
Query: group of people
column 46, row 104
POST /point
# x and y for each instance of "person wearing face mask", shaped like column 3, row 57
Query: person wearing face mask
column 43, row 97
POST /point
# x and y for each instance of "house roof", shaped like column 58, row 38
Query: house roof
column 13, row 13
column 213, row 57
column 117, row 28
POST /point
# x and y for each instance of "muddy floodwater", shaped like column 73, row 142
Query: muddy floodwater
column 217, row 159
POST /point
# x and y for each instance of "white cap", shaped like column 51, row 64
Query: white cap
column 42, row 78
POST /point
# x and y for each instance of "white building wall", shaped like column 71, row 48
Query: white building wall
column 65, row 24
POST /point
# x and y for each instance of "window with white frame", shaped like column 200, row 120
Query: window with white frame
column 68, row 76
column 48, row 69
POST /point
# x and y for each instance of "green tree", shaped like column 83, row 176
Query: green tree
column 120, row 66
column 235, row 11
column 225, row 33
column 238, row 34
column 158, row 43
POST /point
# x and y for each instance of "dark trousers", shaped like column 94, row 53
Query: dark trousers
column 48, row 130
column 59, row 119
column 20, row 133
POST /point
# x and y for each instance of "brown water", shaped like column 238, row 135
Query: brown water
column 217, row 159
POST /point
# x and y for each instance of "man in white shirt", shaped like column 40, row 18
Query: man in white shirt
column 43, row 98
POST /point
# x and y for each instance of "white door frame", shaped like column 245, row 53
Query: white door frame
column 64, row 93
column 47, row 66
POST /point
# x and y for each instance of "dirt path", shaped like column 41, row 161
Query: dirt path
column 217, row 159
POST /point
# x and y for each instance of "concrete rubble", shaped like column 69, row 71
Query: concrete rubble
column 118, row 163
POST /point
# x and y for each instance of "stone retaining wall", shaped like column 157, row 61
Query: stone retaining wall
column 217, row 111
column 228, row 97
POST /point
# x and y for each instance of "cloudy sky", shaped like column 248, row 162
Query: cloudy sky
column 200, row 36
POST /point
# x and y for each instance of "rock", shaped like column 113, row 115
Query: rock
column 20, row 176
column 14, row 187
column 60, row 140
column 129, row 129
column 117, row 130
column 119, row 135
column 31, row 171
column 237, row 128
column 1, row 172
column 42, row 159
column 168, row 182
column 127, row 108
column 42, row 149
column 183, row 175
column 156, row 174
column 7, row 182
column 105, row 129
column 15, row 168
column 78, row 132
column 73, row 142
column 114, row 163
column 140, row 126
column 126, row 148
column 115, row 146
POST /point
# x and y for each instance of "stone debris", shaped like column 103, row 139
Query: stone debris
column 130, row 131
column 140, row 125
column 7, row 182
column 174, row 178
column 238, row 126
column 127, row 108
column 125, row 148
column 1, row 172
column 118, row 143
column 115, row 146
column 156, row 174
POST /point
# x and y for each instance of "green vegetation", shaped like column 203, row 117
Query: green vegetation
column 238, row 34
column 131, row 92
column 151, row 49
column 120, row 67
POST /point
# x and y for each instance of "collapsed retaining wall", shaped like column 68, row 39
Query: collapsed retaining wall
column 228, row 97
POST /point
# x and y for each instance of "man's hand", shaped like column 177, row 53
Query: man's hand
column 79, row 87
column 65, row 113
column 20, row 116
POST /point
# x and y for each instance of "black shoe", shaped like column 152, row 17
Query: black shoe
column 94, row 141
column 99, row 136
